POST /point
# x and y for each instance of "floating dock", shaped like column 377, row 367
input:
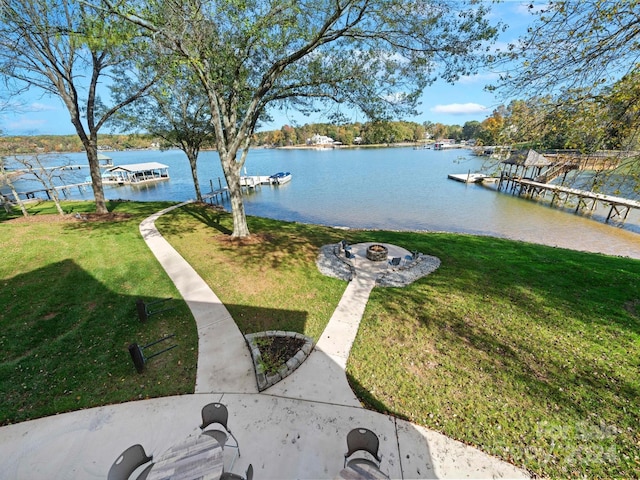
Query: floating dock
column 467, row 177
column 253, row 181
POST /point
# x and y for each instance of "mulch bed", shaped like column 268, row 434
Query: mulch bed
column 277, row 350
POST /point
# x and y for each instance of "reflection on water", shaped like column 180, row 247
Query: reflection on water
column 389, row 188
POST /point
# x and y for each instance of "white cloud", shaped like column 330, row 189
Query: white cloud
column 40, row 107
column 460, row 108
column 480, row 78
column 23, row 125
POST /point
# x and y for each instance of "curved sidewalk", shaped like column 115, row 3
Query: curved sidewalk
column 219, row 338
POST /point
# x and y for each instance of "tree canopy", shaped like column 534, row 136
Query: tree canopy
column 253, row 56
column 175, row 109
column 65, row 49
column 575, row 45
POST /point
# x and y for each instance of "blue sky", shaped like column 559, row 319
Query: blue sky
column 449, row 104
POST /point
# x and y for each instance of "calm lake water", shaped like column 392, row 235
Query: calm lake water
column 386, row 188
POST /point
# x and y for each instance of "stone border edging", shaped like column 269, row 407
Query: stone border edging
column 265, row 380
column 330, row 263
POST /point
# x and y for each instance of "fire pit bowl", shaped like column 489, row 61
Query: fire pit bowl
column 377, row 253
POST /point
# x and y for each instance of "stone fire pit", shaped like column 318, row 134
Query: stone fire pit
column 377, row 253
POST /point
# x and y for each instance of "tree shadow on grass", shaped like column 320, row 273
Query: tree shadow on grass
column 258, row 319
column 64, row 345
column 210, row 215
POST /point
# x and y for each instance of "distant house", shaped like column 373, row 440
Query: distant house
column 320, row 140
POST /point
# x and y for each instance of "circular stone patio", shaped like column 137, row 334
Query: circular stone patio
column 411, row 266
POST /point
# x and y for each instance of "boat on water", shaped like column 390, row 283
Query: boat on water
column 280, row 178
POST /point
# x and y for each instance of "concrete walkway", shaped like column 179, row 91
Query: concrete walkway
column 295, row 429
column 219, row 338
column 322, row 376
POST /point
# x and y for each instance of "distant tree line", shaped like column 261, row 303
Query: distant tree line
column 24, row 144
column 368, row 133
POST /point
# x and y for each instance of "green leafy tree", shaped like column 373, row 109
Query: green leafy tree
column 575, row 45
column 471, row 130
column 622, row 105
column 454, row 131
column 439, row 130
column 418, row 133
column 63, row 48
column 290, row 137
column 175, row 109
column 252, row 56
column 581, row 58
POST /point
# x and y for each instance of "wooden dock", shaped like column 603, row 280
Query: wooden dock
column 587, row 200
column 254, row 181
column 216, row 194
column 46, row 192
column 247, row 183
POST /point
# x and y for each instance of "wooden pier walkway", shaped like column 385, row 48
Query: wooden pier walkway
column 65, row 189
column 216, row 194
column 587, row 200
column 247, row 183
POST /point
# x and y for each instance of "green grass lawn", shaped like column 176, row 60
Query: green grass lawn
column 528, row 352
column 68, row 315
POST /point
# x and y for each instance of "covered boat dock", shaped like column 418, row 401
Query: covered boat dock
column 136, row 173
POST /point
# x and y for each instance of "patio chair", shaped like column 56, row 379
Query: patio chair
column 128, row 461
column 217, row 413
column 235, row 476
column 350, row 255
column 395, row 261
column 362, row 439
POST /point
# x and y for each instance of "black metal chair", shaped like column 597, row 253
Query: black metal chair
column 137, row 352
column 217, row 413
column 362, row 439
column 235, row 476
column 144, row 308
column 350, row 255
column 127, row 463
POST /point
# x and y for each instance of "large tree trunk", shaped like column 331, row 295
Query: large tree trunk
column 96, row 178
column 231, row 170
column 90, row 144
column 193, row 162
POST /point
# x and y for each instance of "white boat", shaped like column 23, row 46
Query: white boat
column 280, row 178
